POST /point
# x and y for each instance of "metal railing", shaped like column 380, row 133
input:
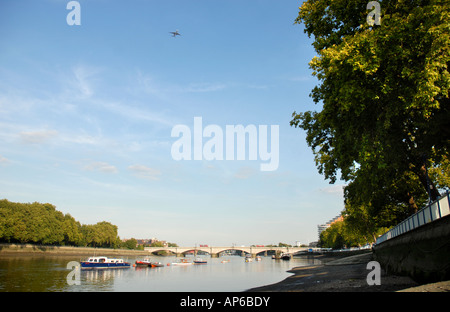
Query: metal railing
column 429, row 213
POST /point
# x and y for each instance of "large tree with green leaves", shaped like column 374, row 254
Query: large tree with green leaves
column 384, row 96
column 43, row 224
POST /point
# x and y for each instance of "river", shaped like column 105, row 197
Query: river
column 49, row 274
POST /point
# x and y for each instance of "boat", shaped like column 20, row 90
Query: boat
column 225, row 261
column 144, row 262
column 248, row 258
column 258, row 258
column 104, row 263
column 286, row 257
column 200, row 261
column 148, row 263
column 183, row 261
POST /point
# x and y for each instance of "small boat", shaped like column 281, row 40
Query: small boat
column 144, row 262
column 225, row 261
column 104, row 263
column 148, row 263
column 258, row 258
column 156, row 264
column 183, row 262
column 248, row 258
column 200, row 261
column 286, row 257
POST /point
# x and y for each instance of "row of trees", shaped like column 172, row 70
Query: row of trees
column 42, row 224
column 132, row 243
column 383, row 125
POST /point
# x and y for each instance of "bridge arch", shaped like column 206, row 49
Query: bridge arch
column 215, row 251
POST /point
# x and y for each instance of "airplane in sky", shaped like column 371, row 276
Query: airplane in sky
column 175, row 33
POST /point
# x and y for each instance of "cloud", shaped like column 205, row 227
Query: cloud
column 4, row 160
column 37, row 137
column 244, row 173
column 83, row 79
column 203, row 87
column 150, row 85
column 145, row 172
column 135, row 113
column 333, row 190
column 101, row 166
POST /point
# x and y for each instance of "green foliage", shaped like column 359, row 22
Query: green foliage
column 130, row 243
column 385, row 106
column 157, row 244
column 42, row 224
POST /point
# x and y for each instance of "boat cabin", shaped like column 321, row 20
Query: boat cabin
column 103, row 260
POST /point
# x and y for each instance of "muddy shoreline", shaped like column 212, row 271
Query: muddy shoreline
column 345, row 274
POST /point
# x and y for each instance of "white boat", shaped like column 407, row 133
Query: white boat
column 104, row 263
column 258, row 258
column 183, row 262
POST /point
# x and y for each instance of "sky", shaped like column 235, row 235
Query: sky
column 87, row 113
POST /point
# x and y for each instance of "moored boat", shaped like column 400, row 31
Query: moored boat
column 200, row 261
column 156, row 264
column 183, row 261
column 104, row 263
column 286, row 257
column 145, row 262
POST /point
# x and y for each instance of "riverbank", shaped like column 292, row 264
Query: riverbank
column 345, row 274
column 31, row 250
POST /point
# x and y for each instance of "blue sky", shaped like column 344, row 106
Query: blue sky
column 86, row 114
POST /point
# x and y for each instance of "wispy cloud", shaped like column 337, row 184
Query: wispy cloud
column 245, row 173
column 83, row 79
column 202, row 87
column 333, row 190
column 151, row 85
column 4, row 160
column 101, row 166
column 145, row 172
column 136, row 113
column 37, row 137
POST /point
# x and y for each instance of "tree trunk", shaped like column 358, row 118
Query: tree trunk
column 428, row 184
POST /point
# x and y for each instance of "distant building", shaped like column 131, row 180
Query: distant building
column 323, row 227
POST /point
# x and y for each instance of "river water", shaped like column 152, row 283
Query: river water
column 49, row 274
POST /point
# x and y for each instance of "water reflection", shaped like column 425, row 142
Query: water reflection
column 49, row 274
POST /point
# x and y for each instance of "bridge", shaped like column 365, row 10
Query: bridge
column 215, row 251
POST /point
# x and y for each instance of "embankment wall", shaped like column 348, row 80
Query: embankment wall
column 423, row 253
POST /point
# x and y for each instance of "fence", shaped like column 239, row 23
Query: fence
column 429, row 213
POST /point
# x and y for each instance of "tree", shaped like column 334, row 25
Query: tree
column 43, row 224
column 333, row 236
column 385, row 97
column 130, row 243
